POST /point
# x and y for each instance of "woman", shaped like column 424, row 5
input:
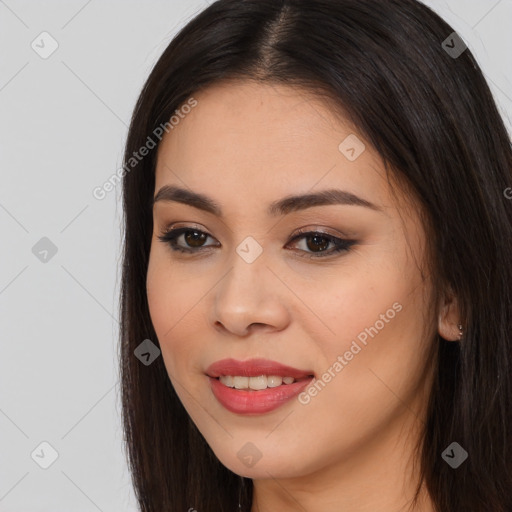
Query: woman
column 319, row 248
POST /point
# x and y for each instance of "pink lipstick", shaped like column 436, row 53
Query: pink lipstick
column 255, row 386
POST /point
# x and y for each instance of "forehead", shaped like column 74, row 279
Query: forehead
column 251, row 141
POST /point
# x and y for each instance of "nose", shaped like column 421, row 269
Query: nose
column 250, row 297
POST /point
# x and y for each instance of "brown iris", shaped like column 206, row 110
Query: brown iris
column 314, row 245
column 193, row 237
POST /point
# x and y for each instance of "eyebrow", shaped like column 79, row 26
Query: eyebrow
column 281, row 207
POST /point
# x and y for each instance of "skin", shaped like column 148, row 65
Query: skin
column 351, row 447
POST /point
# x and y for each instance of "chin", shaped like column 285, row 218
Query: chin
column 260, row 459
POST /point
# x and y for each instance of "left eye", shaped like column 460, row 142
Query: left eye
column 317, row 240
column 314, row 240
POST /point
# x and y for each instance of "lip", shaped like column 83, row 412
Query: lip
column 252, row 402
column 254, row 368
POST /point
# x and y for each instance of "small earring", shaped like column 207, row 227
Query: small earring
column 460, row 331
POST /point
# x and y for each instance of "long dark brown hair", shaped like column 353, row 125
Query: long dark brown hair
column 432, row 118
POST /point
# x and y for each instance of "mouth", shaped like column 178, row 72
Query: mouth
column 255, row 386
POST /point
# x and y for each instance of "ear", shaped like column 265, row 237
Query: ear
column 449, row 318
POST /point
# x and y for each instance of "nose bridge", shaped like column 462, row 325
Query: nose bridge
column 247, row 276
column 247, row 294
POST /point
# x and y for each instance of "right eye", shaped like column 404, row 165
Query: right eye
column 194, row 237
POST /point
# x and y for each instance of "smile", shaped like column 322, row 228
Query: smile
column 255, row 386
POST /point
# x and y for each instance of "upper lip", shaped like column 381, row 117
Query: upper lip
column 254, row 368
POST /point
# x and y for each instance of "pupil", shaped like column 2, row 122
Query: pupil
column 195, row 238
column 316, row 238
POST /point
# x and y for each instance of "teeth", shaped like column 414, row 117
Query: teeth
column 274, row 380
column 227, row 380
column 255, row 383
column 241, row 382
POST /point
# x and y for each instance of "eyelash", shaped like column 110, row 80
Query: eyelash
column 341, row 245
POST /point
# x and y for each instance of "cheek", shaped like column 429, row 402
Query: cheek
column 171, row 292
column 347, row 304
column 365, row 386
column 170, row 302
column 374, row 323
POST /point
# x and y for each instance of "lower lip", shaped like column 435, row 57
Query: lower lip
column 256, row 402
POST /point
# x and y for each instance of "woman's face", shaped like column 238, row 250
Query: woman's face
column 351, row 323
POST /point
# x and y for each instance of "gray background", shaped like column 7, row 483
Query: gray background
column 63, row 121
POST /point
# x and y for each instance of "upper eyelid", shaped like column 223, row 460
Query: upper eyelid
column 300, row 232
